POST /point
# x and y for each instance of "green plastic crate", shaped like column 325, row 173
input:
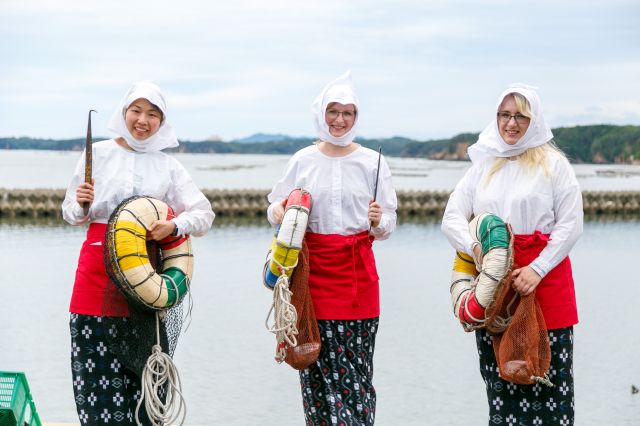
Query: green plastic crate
column 16, row 405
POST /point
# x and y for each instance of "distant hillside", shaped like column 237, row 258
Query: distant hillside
column 263, row 137
column 599, row 144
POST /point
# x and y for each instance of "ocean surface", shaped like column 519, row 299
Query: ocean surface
column 426, row 366
column 53, row 169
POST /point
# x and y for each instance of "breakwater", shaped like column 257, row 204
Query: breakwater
column 45, row 203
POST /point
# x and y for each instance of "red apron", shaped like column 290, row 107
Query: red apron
column 555, row 293
column 92, row 280
column 343, row 279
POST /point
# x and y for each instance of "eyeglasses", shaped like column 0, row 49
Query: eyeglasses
column 505, row 117
column 332, row 114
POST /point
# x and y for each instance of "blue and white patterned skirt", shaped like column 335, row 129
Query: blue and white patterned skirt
column 338, row 388
column 512, row 404
column 105, row 391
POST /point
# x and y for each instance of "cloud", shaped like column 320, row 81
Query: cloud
column 422, row 69
column 624, row 112
column 239, row 94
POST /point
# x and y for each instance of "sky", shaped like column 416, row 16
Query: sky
column 422, row 69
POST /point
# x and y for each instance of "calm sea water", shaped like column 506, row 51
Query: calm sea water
column 426, row 367
column 53, row 169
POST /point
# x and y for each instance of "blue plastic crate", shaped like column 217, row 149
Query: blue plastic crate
column 16, row 405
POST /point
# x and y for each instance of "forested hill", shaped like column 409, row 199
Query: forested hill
column 582, row 144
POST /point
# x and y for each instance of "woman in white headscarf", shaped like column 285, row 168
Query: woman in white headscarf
column 519, row 174
column 132, row 163
column 343, row 281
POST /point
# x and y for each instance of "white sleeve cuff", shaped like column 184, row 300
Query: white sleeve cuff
column 540, row 266
column 78, row 213
column 181, row 226
column 270, row 217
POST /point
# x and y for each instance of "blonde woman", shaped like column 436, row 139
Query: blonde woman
column 519, row 174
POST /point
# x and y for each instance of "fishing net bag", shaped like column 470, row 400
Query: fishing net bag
column 307, row 350
column 520, row 338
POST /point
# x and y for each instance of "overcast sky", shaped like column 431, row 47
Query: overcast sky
column 422, row 69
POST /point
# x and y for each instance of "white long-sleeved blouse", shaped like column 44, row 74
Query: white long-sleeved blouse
column 340, row 188
column 120, row 174
column 528, row 200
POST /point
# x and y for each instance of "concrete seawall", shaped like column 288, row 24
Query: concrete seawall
column 45, row 203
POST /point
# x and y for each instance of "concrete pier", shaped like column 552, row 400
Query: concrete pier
column 45, row 203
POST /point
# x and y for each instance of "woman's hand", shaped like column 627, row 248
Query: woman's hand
column 525, row 280
column 84, row 193
column 278, row 211
column 160, row 229
column 374, row 213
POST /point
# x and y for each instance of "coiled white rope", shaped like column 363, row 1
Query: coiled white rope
column 285, row 316
column 495, row 265
column 160, row 376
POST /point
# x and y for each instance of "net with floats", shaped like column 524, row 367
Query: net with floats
column 154, row 276
column 286, row 272
column 483, row 297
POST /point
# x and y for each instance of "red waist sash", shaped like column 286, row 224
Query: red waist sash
column 555, row 293
column 92, row 280
column 343, row 280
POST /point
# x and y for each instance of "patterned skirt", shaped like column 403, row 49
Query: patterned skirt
column 338, row 388
column 511, row 404
column 105, row 392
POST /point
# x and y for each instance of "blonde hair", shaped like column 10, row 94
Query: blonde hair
column 532, row 158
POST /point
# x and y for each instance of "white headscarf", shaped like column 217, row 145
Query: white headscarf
column 491, row 144
column 340, row 90
column 165, row 137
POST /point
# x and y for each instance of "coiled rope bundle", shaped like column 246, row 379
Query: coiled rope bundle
column 473, row 292
column 161, row 388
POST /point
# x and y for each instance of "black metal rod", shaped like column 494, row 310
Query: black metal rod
column 375, row 188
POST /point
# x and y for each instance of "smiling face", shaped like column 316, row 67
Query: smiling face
column 512, row 122
column 340, row 118
column 143, row 119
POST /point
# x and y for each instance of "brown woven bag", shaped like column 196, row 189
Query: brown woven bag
column 307, row 350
